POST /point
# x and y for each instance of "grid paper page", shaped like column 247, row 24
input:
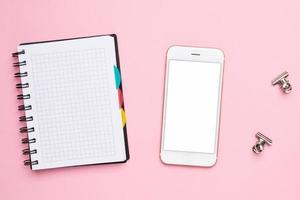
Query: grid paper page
column 75, row 105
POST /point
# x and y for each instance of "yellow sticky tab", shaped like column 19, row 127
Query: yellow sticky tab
column 123, row 117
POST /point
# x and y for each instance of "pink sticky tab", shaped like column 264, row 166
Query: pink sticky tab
column 121, row 101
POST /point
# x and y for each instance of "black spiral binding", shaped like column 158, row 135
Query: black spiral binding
column 29, row 162
column 28, row 141
column 19, row 64
column 25, row 119
column 25, row 97
column 23, row 107
column 28, row 151
column 21, row 85
column 26, row 129
column 16, row 54
column 20, row 74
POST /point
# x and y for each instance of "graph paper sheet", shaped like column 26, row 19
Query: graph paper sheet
column 74, row 101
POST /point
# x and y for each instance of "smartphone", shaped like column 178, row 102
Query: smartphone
column 192, row 102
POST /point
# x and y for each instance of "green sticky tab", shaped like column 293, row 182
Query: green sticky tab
column 117, row 77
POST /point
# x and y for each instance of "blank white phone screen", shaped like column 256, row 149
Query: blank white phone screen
column 191, row 113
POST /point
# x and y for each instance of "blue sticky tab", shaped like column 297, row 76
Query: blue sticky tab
column 117, row 77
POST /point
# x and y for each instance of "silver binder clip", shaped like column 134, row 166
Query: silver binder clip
column 262, row 140
column 283, row 82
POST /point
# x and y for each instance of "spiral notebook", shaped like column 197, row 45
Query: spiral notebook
column 71, row 97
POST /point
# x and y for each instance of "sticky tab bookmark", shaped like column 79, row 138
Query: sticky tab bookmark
column 120, row 95
column 123, row 117
column 117, row 77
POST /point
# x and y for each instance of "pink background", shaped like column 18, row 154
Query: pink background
column 260, row 40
